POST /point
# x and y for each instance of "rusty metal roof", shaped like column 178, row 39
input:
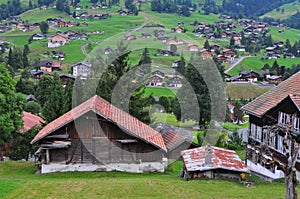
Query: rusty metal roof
column 197, row 159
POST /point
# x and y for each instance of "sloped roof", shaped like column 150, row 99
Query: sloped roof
column 29, row 121
column 108, row 111
column 273, row 97
column 194, row 159
column 174, row 136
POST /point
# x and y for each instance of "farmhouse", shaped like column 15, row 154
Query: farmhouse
column 279, row 106
column 57, row 40
column 50, row 66
column 97, row 136
column 212, row 162
column 156, row 80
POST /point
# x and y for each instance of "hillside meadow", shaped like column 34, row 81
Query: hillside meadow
column 288, row 10
column 17, row 180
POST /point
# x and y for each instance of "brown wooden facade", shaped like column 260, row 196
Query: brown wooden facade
column 94, row 139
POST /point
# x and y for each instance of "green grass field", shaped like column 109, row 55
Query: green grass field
column 256, row 63
column 158, row 92
column 289, row 10
column 17, row 180
column 239, row 91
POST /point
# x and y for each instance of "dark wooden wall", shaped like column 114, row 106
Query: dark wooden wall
column 94, row 140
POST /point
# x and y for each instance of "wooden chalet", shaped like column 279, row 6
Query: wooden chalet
column 57, row 40
column 97, row 136
column 275, row 79
column 279, row 106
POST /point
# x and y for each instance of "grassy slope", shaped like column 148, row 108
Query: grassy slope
column 19, row 181
column 289, row 10
column 238, row 91
column 255, row 64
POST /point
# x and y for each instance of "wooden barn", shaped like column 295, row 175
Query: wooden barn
column 97, row 136
column 176, row 140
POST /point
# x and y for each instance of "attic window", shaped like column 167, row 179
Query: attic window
column 127, row 141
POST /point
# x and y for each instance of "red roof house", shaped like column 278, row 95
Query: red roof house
column 99, row 136
column 30, row 120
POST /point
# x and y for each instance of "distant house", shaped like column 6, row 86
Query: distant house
column 193, row 48
column 81, row 69
column 37, row 74
column 38, row 36
column 206, row 54
column 58, row 54
column 146, row 35
column 175, row 41
column 29, row 121
column 176, row 140
column 108, row 50
column 250, row 75
column 275, row 79
column 97, row 136
column 130, row 37
column 50, row 66
column 212, row 163
column 158, row 72
column 65, row 77
column 30, row 98
column 176, row 81
column 57, row 40
column 230, row 54
column 156, row 80
column 175, row 63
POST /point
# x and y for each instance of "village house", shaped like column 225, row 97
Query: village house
column 65, row 77
column 275, row 79
column 38, row 36
column 176, row 81
column 158, row 72
column 212, row 162
column 108, row 50
column 146, row 35
column 81, row 69
column 206, row 54
column 174, row 41
column 37, row 74
column 57, row 40
column 58, row 54
column 229, row 54
column 156, row 80
column 97, row 136
column 175, row 63
column 50, row 66
column 193, row 48
column 279, row 106
column 130, row 37
column 30, row 98
column 176, row 140
column 29, row 121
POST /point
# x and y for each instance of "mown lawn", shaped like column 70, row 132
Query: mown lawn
column 17, row 180
column 158, row 92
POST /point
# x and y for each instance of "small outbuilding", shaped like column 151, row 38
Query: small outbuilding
column 212, row 162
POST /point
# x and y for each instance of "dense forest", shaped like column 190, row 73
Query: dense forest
column 293, row 21
column 243, row 8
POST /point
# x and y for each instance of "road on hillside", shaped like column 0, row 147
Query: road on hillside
column 235, row 64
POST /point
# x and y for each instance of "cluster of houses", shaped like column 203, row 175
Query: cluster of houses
column 159, row 78
column 252, row 77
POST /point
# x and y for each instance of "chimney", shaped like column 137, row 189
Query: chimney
column 208, row 156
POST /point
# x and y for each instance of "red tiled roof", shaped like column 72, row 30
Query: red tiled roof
column 29, row 121
column 110, row 112
column 172, row 139
column 270, row 99
column 194, row 159
column 296, row 100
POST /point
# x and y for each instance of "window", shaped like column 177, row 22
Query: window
column 283, row 119
column 253, row 130
column 296, row 123
column 259, row 133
